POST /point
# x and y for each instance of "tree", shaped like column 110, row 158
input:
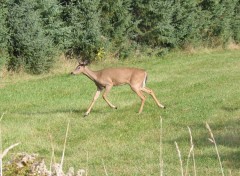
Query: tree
column 218, row 15
column 117, row 25
column 154, row 18
column 3, row 33
column 187, row 22
column 31, row 45
column 235, row 21
column 84, row 25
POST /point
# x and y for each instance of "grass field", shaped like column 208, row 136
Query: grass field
column 196, row 88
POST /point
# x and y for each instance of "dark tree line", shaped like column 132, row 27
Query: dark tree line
column 33, row 32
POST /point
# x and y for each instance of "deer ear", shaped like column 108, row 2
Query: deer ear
column 86, row 62
column 79, row 59
column 83, row 63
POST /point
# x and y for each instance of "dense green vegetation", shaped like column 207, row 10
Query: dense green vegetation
column 33, row 32
column 196, row 88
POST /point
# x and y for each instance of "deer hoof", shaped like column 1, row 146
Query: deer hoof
column 86, row 114
column 161, row 106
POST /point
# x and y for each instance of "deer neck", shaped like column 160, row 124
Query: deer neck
column 90, row 74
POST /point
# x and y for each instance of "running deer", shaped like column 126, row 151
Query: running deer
column 107, row 78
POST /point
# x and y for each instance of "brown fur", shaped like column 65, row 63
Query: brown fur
column 109, row 77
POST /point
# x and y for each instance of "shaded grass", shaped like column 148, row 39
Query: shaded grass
column 196, row 88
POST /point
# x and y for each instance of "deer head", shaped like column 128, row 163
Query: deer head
column 81, row 66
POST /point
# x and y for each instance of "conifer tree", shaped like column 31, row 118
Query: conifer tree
column 31, row 45
column 3, row 33
column 155, row 22
column 53, row 25
column 117, row 25
column 186, row 22
column 85, row 28
column 235, row 22
column 31, row 32
column 218, row 15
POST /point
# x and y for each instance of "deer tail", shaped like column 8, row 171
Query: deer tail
column 145, row 80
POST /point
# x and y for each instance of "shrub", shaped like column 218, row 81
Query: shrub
column 235, row 22
column 83, row 21
column 218, row 17
column 154, row 18
column 3, row 34
column 31, row 46
column 117, row 26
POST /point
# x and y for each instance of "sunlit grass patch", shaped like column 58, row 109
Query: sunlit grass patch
column 195, row 88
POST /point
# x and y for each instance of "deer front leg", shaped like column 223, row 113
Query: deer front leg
column 108, row 88
column 93, row 101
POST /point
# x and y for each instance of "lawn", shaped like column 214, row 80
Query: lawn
column 195, row 87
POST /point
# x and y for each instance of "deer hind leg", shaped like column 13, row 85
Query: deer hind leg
column 150, row 92
column 93, row 101
column 108, row 88
column 142, row 97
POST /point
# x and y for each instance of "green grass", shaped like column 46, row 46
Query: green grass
column 195, row 88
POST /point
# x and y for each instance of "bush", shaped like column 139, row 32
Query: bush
column 31, row 46
column 82, row 18
column 235, row 22
column 154, row 23
column 187, row 23
column 3, row 34
column 117, row 26
column 31, row 32
column 218, row 15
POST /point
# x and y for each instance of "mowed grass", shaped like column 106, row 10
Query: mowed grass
column 195, row 88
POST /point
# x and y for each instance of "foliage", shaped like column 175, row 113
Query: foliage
column 235, row 22
column 117, row 26
column 31, row 44
column 3, row 33
column 83, row 19
column 187, row 22
column 53, row 25
column 155, row 18
column 218, row 16
column 32, row 32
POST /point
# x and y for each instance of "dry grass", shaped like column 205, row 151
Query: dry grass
column 212, row 139
column 191, row 152
column 161, row 149
column 62, row 66
column 233, row 46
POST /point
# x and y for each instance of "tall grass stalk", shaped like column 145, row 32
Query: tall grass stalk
column 64, row 148
column 180, row 158
column 1, row 144
column 87, row 164
column 7, row 150
column 191, row 151
column 4, row 153
column 160, row 157
column 53, row 154
column 105, row 170
column 212, row 139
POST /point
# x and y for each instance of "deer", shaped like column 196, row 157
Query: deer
column 106, row 78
